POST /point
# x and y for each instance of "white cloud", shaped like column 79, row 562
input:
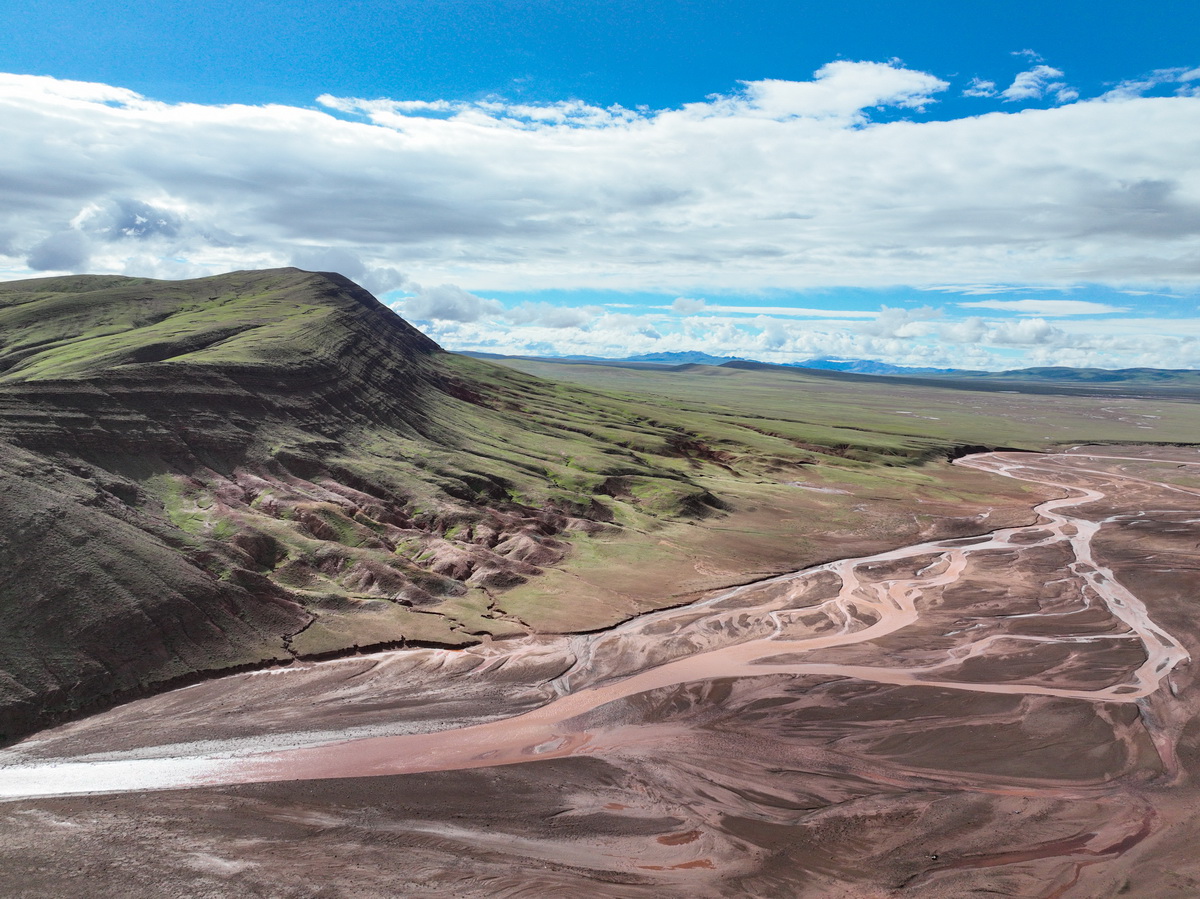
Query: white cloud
column 839, row 89
column 62, row 251
column 550, row 316
column 980, row 88
column 795, row 311
column 69, row 93
column 1026, row 332
column 901, row 322
column 778, row 185
column 687, row 305
column 906, row 337
column 377, row 279
column 1136, row 87
column 1039, row 82
column 982, row 289
column 971, row 331
column 447, row 302
column 1130, row 327
column 1051, row 308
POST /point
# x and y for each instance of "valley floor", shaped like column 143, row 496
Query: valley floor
column 1009, row 713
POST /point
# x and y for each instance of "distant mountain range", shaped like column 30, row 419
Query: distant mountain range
column 870, row 367
column 855, row 366
column 1093, row 376
column 1097, row 376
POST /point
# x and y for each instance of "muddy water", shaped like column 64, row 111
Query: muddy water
column 769, row 628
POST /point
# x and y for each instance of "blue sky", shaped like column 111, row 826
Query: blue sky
column 929, row 183
column 631, row 52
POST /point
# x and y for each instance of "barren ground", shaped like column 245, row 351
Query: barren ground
column 1007, row 714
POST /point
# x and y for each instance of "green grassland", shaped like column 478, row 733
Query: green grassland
column 260, row 466
column 883, row 413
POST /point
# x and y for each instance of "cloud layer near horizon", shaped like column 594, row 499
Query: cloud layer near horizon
column 781, row 184
column 922, row 337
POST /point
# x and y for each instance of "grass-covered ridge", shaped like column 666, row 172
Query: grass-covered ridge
column 202, row 474
column 92, row 326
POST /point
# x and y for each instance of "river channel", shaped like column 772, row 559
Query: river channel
column 797, row 625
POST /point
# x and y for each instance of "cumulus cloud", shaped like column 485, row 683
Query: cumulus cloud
column 376, row 278
column 64, row 251
column 122, row 218
column 971, row 331
column 549, row 315
column 901, row 322
column 1038, row 82
column 1026, row 332
column 838, row 89
column 448, row 307
column 687, row 305
column 980, row 88
column 447, row 302
column 1183, row 78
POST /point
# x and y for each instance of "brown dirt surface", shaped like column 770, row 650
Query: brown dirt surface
column 1011, row 715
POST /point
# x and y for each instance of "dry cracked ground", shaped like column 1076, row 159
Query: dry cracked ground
column 1007, row 714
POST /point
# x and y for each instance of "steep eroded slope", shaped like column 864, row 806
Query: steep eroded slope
column 233, row 470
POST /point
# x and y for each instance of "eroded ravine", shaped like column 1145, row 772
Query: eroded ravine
column 788, row 625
